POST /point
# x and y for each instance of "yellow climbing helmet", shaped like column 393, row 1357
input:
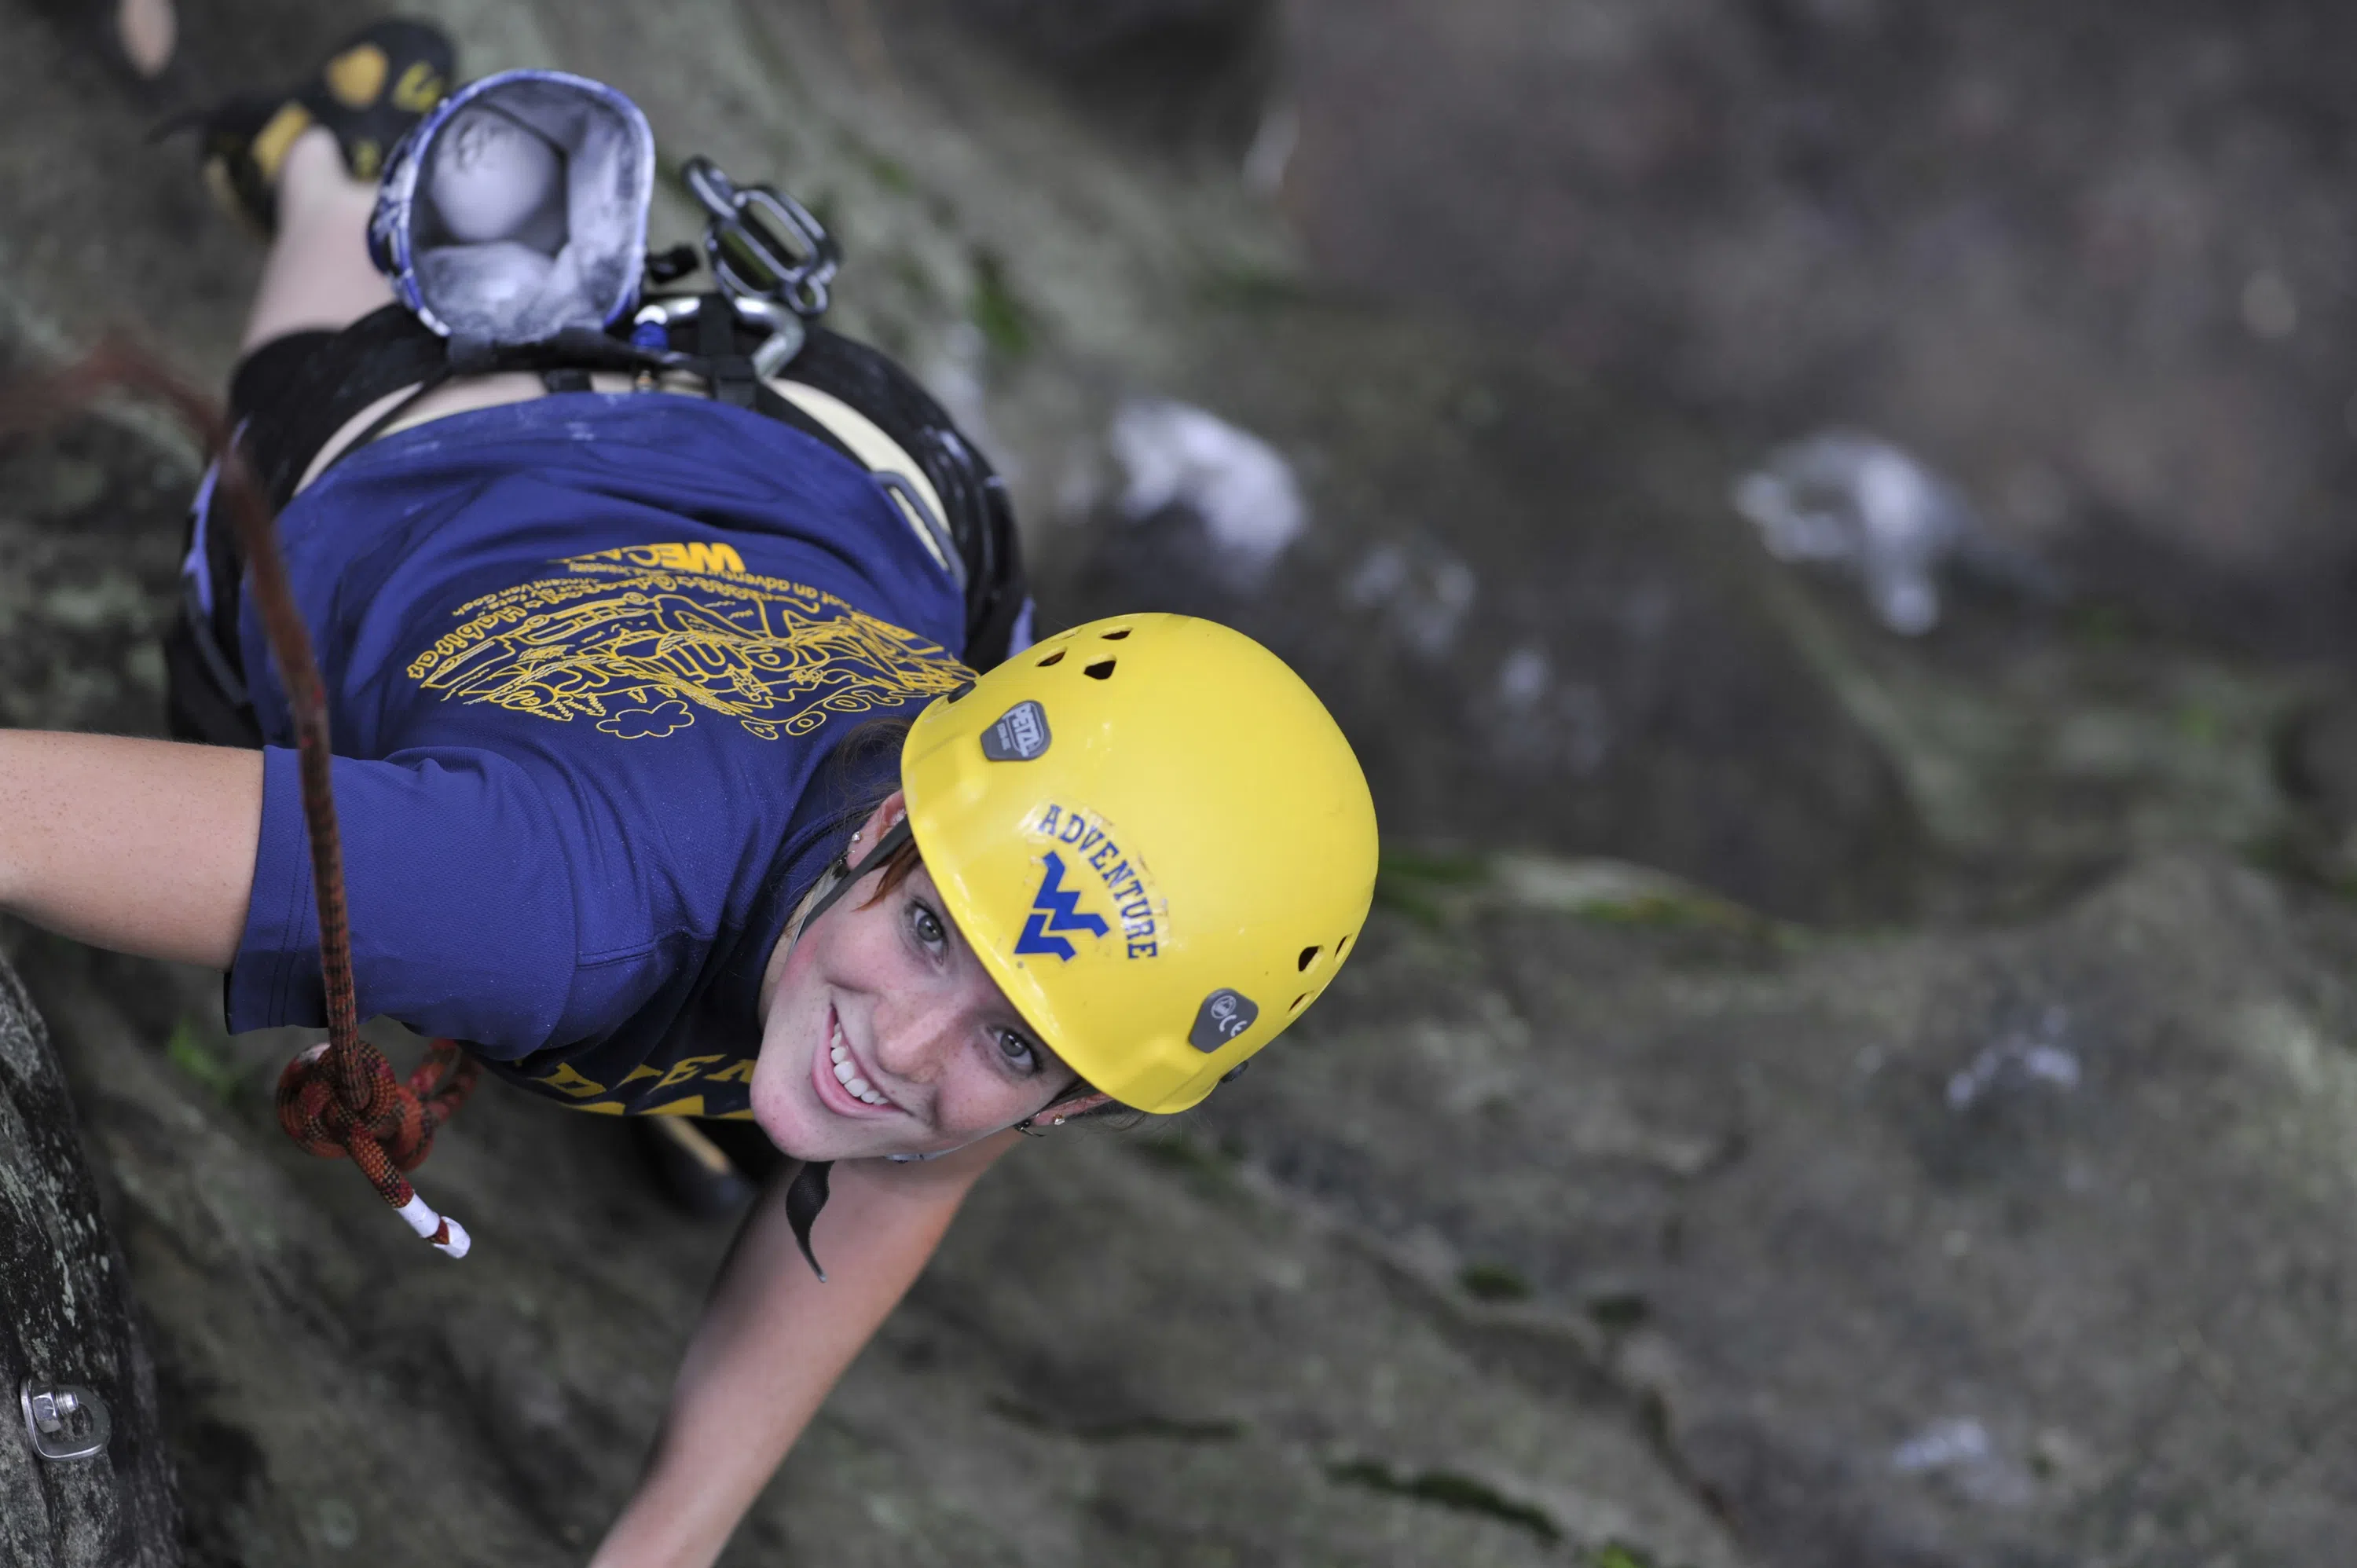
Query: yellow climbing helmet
column 1155, row 839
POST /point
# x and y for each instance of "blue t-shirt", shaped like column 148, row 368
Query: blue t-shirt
column 591, row 660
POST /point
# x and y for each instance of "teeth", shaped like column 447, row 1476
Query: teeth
column 847, row 1074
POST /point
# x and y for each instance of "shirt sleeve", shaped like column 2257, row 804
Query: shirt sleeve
column 462, row 914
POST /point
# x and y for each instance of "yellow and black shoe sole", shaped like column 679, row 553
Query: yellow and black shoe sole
column 369, row 92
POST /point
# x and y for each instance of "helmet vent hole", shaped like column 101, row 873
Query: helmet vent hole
column 1298, row 1001
column 1308, row 957
column 1340, row 947
column 1055, row 658
column 1101, row 670
column 1116, row 635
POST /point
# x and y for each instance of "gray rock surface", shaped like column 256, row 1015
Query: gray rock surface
column 1528, row 612
column 1944, row 1250
column 1120, row 1357
column 1598, row 1218
column 2093, row 261
column 66, row 1329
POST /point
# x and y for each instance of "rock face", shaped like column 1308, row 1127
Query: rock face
column 68, row 1324
column 1601, row 1216
column 2092, row 261
column 1530, row 618
column 1924, row 1251
column 1133, row 1351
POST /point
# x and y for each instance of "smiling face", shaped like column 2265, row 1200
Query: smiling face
column 883, row 1035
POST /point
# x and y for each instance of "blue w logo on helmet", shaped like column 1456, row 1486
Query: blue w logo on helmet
column 1053, row 910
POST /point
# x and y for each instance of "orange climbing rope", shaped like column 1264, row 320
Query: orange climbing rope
column 392, row 1131
column 339, row 1099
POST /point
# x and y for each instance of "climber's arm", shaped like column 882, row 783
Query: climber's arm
column 774, row 1340
column 144, row 847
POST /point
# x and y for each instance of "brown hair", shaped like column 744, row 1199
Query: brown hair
column 884, row 736
column 905, row 859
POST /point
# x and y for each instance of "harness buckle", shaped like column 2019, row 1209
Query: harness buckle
column 761, row 243
column 786, row 330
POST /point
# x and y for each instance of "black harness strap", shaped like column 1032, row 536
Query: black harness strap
column 734, row 380
column 980, row 517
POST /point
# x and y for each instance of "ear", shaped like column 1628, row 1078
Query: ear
column 1078, row 1103
column 879, row 822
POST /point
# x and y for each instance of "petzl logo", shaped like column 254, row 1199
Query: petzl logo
column 1020, row 735
column 1054, row 910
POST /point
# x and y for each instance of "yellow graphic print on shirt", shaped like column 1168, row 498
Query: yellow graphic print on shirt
column 641, row 639
column 721, row 1089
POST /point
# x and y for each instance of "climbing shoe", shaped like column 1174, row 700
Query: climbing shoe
column 371, row 88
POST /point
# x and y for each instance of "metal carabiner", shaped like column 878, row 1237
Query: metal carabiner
column 791, row 256
column 787, row 333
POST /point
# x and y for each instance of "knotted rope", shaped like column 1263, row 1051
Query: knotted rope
column 392, row 1132
column 338, row 1100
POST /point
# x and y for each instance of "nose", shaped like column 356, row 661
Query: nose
column 915, row 1039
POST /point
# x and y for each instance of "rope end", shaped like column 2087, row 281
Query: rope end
column 446, row 1235
column 452, row 1240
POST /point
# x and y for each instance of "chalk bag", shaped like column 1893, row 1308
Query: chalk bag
column 518, row 209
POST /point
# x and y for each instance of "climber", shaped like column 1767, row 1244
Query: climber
column 671, row 776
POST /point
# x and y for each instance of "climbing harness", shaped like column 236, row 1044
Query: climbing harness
column 551, row 177
column 755, row 342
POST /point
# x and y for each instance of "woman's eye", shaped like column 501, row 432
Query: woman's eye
column 1017, row 1051
column 927, row 925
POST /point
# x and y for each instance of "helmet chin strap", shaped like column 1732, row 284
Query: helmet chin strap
column 898, row 834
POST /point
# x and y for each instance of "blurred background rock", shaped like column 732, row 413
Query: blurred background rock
column 1809, row 1096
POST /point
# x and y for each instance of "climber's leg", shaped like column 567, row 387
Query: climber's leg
column 318, row 276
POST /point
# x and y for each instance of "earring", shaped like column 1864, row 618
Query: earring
column 855, row 838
